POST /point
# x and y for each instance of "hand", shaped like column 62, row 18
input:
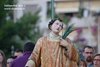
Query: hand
column 30, row 63
column 63, row 43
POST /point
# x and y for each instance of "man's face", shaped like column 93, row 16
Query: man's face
column 56, row 26
column 96, row 61
column 88, row 54
column 18, row 54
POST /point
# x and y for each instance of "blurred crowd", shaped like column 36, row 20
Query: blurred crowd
column 19, row 58
column 87, row 58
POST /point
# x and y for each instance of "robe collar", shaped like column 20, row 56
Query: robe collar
column 54, row 37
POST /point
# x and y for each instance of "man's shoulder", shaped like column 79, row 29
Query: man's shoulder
column 20, row 58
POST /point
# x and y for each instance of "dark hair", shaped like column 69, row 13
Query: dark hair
column 96, row 55
column 4, row 62
column 13, row 57
column 52, row 21
column 88, row 47
column 29, row 46
column 83, row 62
column 19, row 50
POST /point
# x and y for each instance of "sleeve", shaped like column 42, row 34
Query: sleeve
column 72, row 52
column 36, row 54
column 11, row 65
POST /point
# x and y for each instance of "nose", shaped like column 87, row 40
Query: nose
column 59, row 26
column 89, row 55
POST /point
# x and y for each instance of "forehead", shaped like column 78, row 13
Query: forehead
column 57, row 21
column 97, row 57
column 88, row 49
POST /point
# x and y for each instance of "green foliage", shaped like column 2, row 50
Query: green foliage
column 26, row 24
column 16, row 33
column 68, row 31
column 80, row 12
column 4, row 12
column 6, row 33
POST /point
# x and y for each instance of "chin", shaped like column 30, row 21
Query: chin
column 56, row 32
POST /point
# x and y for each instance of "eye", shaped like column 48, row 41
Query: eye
column 89, row 52
column 61, row 25
column 96, row 59
column 57, row 23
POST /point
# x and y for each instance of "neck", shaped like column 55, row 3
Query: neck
column 55, row 34
column 54, row 37
column 89, row 62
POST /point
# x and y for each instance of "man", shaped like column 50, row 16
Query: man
column 10, row 60
column 52, row 50
column 21, row 61
column 18, row 53
column 96, row 60
column 88, row 53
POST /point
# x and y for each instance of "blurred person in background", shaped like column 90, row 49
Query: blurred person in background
column 21, row 61
column 3, row 61
column 82, row 63
column 96, row 60
column 18, row 53
column 52, row 50
column 88, row 53
column 10, row 60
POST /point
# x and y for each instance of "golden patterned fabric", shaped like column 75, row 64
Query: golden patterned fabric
column 49, row 53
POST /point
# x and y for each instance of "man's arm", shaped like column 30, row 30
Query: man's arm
column 70, row 50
